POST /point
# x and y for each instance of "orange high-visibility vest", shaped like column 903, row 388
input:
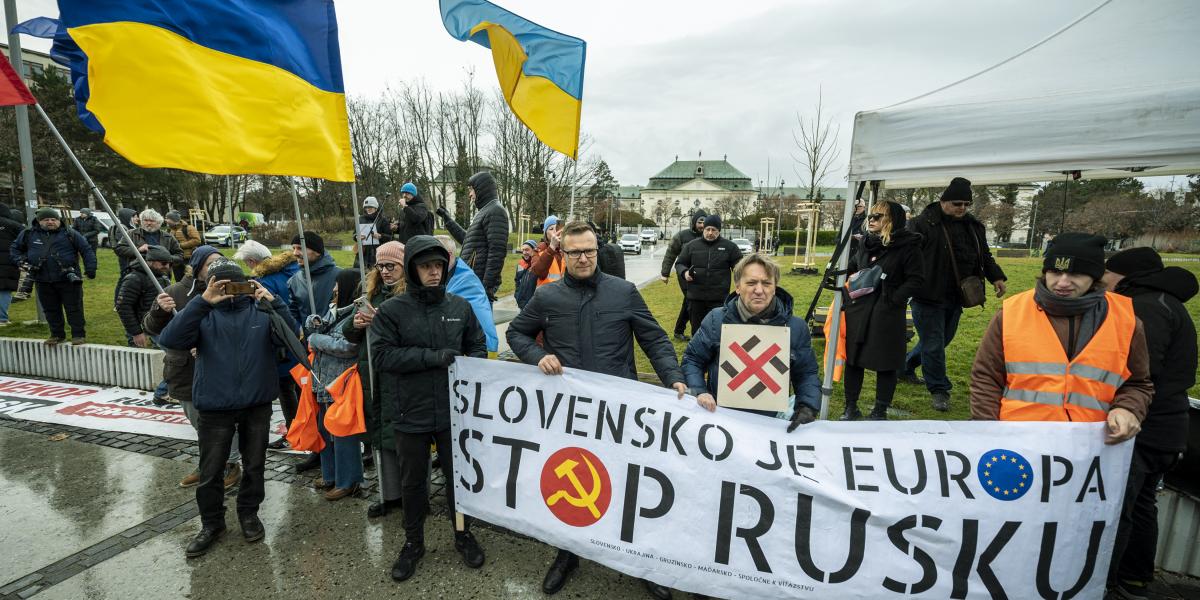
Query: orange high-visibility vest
column 1042, row 385
column 556, row 269
column 839, row 357
column 345, row 417
column 303, row 434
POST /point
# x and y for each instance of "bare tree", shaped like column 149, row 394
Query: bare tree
column 817, row 146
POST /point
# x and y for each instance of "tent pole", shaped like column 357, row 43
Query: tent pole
column 835, row 312
column 312, row 302
column 362, row 271
column 99, row 196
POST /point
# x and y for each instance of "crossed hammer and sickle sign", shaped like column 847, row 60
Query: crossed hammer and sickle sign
column 584, row 498
column 754, row 367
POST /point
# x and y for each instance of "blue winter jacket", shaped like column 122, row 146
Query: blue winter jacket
column 465, row 284
column 703, row 352
column 324, row 273
column 274, row 273
column 53, row 251
column 235, row 351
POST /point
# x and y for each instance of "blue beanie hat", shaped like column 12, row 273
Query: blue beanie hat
column 550, row 221
column 199, row 255
column 531, row 244
column 410, row 188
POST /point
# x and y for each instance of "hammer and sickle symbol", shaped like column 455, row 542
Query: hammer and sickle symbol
column 584, row 498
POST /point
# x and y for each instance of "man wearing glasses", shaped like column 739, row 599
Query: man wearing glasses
column 955, row 247
column 588, row 321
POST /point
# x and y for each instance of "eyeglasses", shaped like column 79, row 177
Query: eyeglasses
column 875, row 216
column 386, row 267
column 958, row 204
column 575, row 254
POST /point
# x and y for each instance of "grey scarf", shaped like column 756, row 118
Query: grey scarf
column 762, row 317
column 1091, row 308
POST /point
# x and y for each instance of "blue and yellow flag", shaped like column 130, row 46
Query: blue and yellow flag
column 215, row 86
column 540, row 70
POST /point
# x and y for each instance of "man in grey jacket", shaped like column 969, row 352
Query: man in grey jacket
column 602, row 315
column 485, row 241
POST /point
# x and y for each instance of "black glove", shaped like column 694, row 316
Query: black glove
column 441, row 212
column 804, row 415
column 491, row 295
column 446, row 357
column 91, row 274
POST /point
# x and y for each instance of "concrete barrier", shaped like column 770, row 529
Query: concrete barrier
column 96, row 364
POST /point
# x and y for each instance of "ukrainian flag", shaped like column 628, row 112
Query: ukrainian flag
column 540, row 70
column 215, row 86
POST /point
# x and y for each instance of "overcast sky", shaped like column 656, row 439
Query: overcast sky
column 722, row 77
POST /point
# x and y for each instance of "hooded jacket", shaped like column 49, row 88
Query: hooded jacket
column 10, row 228
column 415, row 220
column 1158, row 299
column 140, row 236
column 711, row 265
column 274, row 273
column 52, row 252
column 678, row 241
column 235, row 351
column 876, row 324
column 485, row 241
column 591, row 325
column 135, row 296
column 409, row 337
column 974, row 257
column 464, row 284
column 324, row 273
column 702, row 356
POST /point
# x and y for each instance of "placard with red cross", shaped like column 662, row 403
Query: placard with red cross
column 753, row 367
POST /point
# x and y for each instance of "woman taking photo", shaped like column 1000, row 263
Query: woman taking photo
column 885, row 270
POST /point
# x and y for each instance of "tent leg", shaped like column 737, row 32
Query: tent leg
column 835, row 312
column 312, row 303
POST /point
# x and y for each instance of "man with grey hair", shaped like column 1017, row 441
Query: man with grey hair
column 463, row 282
column 148, row 233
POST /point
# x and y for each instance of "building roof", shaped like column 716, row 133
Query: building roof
column 626, row 192
column 717, row 172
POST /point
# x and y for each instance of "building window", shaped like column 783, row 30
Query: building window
column 33, row 68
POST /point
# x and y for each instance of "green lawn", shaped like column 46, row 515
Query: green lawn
column 664, row 301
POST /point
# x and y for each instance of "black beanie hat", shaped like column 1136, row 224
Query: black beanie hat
column 226, row 269
column 312, row 241
column 959, row 189
column 713, row 220
column 1076, row 253
column 1135, row 260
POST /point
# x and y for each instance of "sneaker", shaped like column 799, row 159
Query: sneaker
column 466, row 545
column 191, row 480
column 911, row 378
column 233, row 474
column 54, row 341
column 941, row 401
column 279, row 444
column 78, row 341
column 406, row 563
column 159, row 400
column 312, row 462
column 338, row 493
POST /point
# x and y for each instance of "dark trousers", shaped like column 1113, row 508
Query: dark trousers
column 178, row 271
column 59, row 296
column 215, row 432
column 698, row 309
column 936, row 325
column 885, row 386
column 413, row 449
column 681, row 321
column 1137, row 533
column 289, row 399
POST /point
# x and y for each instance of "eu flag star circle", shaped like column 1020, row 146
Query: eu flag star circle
column 1004, row 474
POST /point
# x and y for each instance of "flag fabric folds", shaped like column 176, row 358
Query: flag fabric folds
column 215, row 86
column 540, row 70
column 12, row 90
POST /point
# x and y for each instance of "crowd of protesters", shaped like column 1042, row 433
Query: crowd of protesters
column 1095, row 340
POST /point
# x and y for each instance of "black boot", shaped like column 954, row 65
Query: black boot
column 312, row 462
column 406, row 563
column 466, row 545
column 379, row 509
column 252, row 528
column 851, row 413
column 203, row 541
column 879, row 413
column 557, row 576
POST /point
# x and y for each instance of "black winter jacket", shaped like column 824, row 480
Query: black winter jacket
column 485, row 241
column 711, row 265
column 377, row 412
column 974, row 257
column 166, row 239
column 136, row 294
column 876, row 325
column 89, row 228
column 611, row 259
column 414, row 220
column 178, row 365
column 10, row 228
column 1158, row 299
column 408, row 337
column 591, row 325
column 52, row 252
column 678, row 241
column 124, row 216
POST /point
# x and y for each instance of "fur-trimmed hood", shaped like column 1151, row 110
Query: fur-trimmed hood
column 274, row 264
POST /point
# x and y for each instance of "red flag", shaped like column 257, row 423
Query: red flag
column 12, row 89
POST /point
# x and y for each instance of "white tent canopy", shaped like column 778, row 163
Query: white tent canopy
column 1116, row 93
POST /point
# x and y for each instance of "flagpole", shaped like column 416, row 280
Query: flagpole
column 312, row 302
column 99, row 196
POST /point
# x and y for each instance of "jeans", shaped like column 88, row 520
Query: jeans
column 413, row 449
column 936, row 325
column 1137, row 532
column 216, row 430
column 62, row 296
column 341, row 458
column 193, row 417
column 5, row 301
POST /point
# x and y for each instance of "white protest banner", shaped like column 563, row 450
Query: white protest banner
column 105, row 409
column 728, row 504
column 753, row 367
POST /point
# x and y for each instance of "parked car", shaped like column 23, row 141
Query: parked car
column 221, row 235
column 745, row 245
column 630, row 242
column 650, row 236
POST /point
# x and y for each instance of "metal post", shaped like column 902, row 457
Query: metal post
column 547, row 193
column 1033, row 225
column 312, row 302
column 835, row 312
column 1066, row 184
column 362, row 271
column 24, row 141
column 571, row 213
column 232, row 213
column 96, row 192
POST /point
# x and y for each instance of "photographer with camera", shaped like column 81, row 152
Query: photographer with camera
column 51, row 253
column 233, row 387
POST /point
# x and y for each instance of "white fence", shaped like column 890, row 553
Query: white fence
column 134, row 368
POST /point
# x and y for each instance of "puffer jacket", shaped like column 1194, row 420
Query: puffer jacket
column 415, row 220
column 188, row 238
column 140, row 236
column 377, row 413
column 711, row 265
column 702, row 357
column 464, row 284
column 333, row 353
column 235, row 351
column 678, row 241
column 324, row 274
column 124, row 216
column 407, row 337
column 10, row 228
column 178, row 365
column 135, row 296
column 591, row 325
column 52, row 252
column 89, row 228
column 485, row 241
